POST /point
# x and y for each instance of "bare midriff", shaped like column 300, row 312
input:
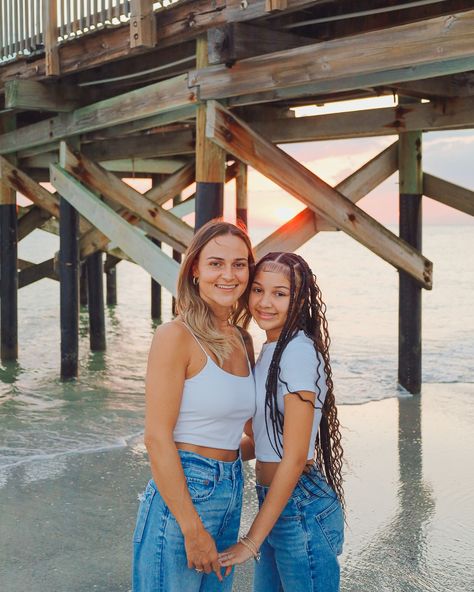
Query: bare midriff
column 214, row 453
column 265, row 471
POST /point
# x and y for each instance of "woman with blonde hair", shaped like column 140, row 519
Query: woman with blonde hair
column 199, row 394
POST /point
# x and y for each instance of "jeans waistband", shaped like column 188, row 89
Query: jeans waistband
column 217, row 468
column 311, row 483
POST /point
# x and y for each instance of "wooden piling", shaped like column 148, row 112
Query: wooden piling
column 96, row 302
column 69, row 289
column 111, row 279
column 210, row 159
column 409, row 309
column 155, row 293
column 83, row 285
column 8, row 260
column 241, row 193
column 9, row 274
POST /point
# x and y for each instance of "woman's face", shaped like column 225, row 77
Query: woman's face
column 222, row 270
column 269, row 301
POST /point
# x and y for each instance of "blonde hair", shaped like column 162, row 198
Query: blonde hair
column 192, row 309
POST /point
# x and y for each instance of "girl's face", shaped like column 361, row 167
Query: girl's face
column 222, row 271
column 269, row 301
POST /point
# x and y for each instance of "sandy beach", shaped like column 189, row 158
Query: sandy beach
column 408, row 487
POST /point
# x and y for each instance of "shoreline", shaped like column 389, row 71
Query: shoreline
column 71, row 531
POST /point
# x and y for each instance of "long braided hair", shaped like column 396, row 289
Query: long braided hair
column 306, row 312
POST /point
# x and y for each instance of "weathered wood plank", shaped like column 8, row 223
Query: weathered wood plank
column 452, row 195
column 237, row 41
column 112, row 188
column 306, row 224
column 133, row 242
column 241, row 141
column 39, row 96
column 35, row 272
column 142, row 24
column 173, row 185
column 40, row 196
column 435, row 41
column 50, row 28
column 32, row 220
column 437, row 115
column 161, row 97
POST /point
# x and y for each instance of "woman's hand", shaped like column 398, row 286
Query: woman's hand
column 201, row 552
column 234, row 555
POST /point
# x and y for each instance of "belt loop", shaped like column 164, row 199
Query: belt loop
column 221, row 471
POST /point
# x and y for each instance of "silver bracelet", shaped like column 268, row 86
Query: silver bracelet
column 251, row 546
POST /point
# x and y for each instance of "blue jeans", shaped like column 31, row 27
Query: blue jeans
column 159, row 558
column 300, row 552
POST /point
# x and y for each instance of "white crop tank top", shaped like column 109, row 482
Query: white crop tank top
column 215, row 406
column 301, row 369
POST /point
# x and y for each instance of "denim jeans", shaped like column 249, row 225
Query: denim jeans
column 159, row 557
column 300, row 552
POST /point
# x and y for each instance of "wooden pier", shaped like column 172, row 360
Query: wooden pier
column 191, row 92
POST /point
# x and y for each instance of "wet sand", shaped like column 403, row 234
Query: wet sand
column 408, row 487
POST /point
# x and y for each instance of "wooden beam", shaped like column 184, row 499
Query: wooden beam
column 34, row 272
column 130, row 203
column 456, row 86
column 173, row 185
column 133, row 242
column 452, row 195
column 142, row 24
column 32, row 95
column 441, row 46
column 306, row 224
column 50, row 32
column 241, row 141
column 149, row 146
column 237, row 41
column 437, row 115
column 161, row 97
column 32, row 220
column 276, row 5
column 40, row 196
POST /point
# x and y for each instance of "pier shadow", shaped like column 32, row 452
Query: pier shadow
column 395, row 560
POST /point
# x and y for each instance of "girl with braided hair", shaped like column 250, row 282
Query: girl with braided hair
column 299, row 529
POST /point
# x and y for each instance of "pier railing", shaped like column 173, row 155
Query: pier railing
column 31, row 26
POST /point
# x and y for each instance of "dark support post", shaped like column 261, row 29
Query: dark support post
column 176, row 256
column 69, row 288
column 8, row 261
column 155, row 293
column 111, row 279
column 83, row 284
column 409, row 321
column 241, row 197
column 9, row 273
column 96, row 301
column 210, row 159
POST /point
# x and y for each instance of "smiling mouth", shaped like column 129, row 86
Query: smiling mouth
column 266, row 315
column 226, row 287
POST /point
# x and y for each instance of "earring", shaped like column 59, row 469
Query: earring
column 195, row 280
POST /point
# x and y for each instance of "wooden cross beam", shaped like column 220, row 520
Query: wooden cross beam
column 240, row 140
column 441, row 46
column 129, row 202
column 161, row 97
column 33, row 272
column 306, row 224
column 32, row 220
column 437, row 115
column 452, row 195
column 131, row 240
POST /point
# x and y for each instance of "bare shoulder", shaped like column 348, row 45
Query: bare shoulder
column 248, row 341
column 172, row 337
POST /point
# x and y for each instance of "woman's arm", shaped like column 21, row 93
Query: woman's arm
column 166, row 372
column 296, row 435
column 247, row 444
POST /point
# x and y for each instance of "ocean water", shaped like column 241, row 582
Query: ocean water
column 44, row 422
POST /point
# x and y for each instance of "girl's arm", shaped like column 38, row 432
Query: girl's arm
column 166, row 372
column 296, row 435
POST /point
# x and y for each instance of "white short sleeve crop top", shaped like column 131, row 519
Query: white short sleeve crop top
column 301, row 369
column 215, row 406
